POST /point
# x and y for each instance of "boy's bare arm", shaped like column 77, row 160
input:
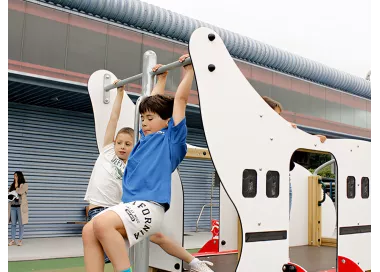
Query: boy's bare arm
column 183, row 91
column 114, row 118
column 322, row 138
column 159, row 88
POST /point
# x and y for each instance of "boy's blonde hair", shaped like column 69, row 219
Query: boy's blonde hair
column 126, row 130
column 272, row 103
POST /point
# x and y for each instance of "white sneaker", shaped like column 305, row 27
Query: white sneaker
column 201, row 266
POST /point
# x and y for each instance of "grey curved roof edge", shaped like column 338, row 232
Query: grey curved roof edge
column 139, row 15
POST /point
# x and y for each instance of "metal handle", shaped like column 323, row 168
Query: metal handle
column 200, row 214
column 324, row 192
column 171, row 66
column 161, row 70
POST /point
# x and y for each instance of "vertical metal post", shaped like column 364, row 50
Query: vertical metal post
column 211, row 200
column 137, row 120
column 139, row 253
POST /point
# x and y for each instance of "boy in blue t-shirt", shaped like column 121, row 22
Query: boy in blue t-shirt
column 147, row 178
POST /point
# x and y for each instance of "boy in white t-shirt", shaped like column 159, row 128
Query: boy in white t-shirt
column 105, row 186
column 104, row 189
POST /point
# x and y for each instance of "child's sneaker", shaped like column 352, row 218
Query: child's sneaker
column 200, row 266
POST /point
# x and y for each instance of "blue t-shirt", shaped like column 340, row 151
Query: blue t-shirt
column 147, row 176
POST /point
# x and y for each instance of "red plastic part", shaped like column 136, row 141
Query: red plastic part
column 215, row 229
column 348, row 265
column 212, row 246
column 299, row 268
column 226, row 252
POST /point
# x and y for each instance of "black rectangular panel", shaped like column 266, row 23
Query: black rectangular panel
column 265, row 236
column 273, row 184
column 351, row 188
column 249, row 183
column 365, row 187
column 354, row 230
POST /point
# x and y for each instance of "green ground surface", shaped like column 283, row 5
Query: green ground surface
column 57, row 265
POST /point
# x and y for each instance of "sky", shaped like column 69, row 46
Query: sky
column 334, row 32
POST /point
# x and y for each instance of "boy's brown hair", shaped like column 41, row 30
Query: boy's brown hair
column 126, row 130
column 272, row 103
column 160, row 104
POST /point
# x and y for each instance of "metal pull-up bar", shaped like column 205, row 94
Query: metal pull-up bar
column 161, row 70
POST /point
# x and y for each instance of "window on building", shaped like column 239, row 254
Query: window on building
column 86, row 50
column 15, row 28
column 124, row 55
column 44, row 42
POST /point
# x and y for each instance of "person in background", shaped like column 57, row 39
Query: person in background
column 17, row 207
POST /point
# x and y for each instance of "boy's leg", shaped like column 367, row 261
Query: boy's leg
column 93, row 251
column 171, row 247
column 107, row 229
column 91, row 214
column 175, row 250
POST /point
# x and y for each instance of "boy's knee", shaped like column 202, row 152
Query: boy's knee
column 157, row 238
column 88, row 232
column 100, row 227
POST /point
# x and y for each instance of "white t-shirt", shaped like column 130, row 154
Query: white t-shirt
column 105, row 186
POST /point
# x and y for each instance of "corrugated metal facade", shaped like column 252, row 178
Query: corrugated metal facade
column 196, row 177
column 56, row 150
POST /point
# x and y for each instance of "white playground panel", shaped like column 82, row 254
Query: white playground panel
column 228, row 227
column 173, row 221
column 248, row 118
column 298, row 229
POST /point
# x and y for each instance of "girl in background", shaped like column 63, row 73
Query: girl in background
column 18, row 207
